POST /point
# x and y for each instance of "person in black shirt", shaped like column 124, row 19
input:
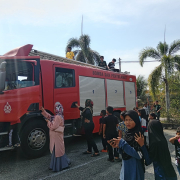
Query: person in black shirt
column 102, row 63
column 88, row 124
column 157, row 108
column 110, row 132
column 111, row 65
column 176, row 141
column 101, row 122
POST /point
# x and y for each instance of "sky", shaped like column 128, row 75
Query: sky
column 117, row 28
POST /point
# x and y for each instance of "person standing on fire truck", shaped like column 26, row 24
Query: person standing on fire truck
column 88, row 124
column 69, row 54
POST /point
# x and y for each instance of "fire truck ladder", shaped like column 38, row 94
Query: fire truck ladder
column 44, row 55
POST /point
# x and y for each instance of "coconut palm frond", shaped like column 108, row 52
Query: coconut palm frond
column 76, row 52
column 85, row 54
column 168, row 64
column 96, row 57
column 73, row 42
column 177, row 62
column 84, row 41
column 90, row 57
column 80, row 57
column 162, row 48
column 154, row 79
column 174, row 47
column 148, row 52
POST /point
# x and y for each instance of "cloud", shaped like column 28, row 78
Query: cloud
column 46, row 12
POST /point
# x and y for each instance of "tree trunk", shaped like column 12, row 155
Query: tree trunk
column 167, row 99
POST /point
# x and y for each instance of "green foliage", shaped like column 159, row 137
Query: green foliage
column 174, row 47
column 148, row 52
column 169, row 62
column 154, row 80
column 84, row 53
column 174, row 86
column 162, row 48
column 141, row 85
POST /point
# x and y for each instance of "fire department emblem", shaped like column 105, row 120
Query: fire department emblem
column 7, row 108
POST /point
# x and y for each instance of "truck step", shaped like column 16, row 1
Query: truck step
column 3, row 133
column 67, row 136
column 68, row 125
column 6, row 148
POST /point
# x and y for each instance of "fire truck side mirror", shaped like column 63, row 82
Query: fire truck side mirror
column 2, row 76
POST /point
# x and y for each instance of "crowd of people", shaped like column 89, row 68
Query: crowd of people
column 139, row 141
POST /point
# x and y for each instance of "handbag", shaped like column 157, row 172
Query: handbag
column 60, row 129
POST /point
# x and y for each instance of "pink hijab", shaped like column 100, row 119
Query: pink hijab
column 58, row 110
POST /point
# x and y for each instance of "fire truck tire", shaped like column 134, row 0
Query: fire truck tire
column 34, row 138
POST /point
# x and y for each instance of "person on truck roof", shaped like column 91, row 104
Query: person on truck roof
column 111, row 65
column 102, row 63
column 69, row 54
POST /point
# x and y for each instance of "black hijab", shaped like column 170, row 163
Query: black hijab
column 130, row 133
column 143, row 113
column 158, row 147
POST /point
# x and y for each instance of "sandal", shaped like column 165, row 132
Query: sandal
column 87, row 152
column 94, row 155
column 17, row 145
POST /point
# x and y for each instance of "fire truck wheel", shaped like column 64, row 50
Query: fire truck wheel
column 34, row 138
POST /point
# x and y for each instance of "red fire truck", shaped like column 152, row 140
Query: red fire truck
column 30, row 79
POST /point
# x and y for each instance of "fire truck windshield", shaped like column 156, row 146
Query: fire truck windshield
column 19, row 74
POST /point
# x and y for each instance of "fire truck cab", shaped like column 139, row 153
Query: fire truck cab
column 30, row 79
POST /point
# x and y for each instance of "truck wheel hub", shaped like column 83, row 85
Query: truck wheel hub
column 36, row 139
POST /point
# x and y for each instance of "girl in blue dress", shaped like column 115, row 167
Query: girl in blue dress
column 133, row 154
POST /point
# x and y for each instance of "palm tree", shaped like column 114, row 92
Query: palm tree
column 169, row 62
column 85, row 54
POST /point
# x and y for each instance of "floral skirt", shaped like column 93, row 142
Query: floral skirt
column 59, row 163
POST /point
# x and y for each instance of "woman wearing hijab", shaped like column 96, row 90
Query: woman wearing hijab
column 142, row 115
column 159, row 152
column 133, row 154
column 59, row 161
column 88, row 124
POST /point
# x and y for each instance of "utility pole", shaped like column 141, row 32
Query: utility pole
column 82, row 26
column 119, row 64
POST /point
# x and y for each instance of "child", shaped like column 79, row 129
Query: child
column 59, row 161
column 133, row 155
column 110, row 132
column 69, row 54
column 101, row 120
column 142, row 114
column 152, row 116
column 176, row 141
column 122, row 127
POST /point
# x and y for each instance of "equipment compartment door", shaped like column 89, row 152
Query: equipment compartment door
column 115, row 93
column 94, row 89
column 130, row 95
